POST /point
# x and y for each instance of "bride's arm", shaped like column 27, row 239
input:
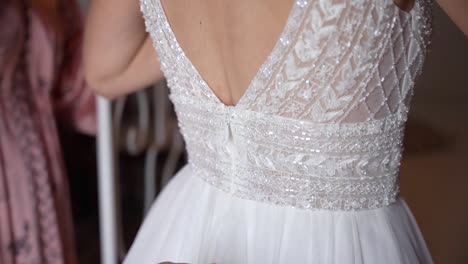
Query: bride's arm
column 117, row 52
column 457, row 10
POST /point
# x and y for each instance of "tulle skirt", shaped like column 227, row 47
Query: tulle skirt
column 193, row 222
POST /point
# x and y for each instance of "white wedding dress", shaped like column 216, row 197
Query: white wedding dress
column 304, row 168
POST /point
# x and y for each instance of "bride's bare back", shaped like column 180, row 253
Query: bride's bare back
column 227, row 41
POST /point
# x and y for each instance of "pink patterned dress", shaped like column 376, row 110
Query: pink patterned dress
column 40, row 84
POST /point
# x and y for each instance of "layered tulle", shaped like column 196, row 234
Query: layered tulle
column 192, row 222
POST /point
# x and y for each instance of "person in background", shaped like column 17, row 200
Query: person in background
column 41, row 83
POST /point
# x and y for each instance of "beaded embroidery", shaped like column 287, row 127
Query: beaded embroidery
column 321, row 125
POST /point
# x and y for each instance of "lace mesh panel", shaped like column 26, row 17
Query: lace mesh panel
column 353, row 61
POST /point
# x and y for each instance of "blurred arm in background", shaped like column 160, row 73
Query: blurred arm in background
column 457, row 10
column 117, row 52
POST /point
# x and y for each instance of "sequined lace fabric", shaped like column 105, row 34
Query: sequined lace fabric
column 322, row 122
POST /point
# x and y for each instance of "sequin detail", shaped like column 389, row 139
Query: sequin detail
column 321, row 126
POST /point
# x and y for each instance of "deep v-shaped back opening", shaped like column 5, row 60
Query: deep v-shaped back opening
column 263, row 71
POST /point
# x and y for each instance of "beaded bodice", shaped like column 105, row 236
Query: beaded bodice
column 321, row 124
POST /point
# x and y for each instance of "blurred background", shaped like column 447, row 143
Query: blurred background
column 434, row 175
